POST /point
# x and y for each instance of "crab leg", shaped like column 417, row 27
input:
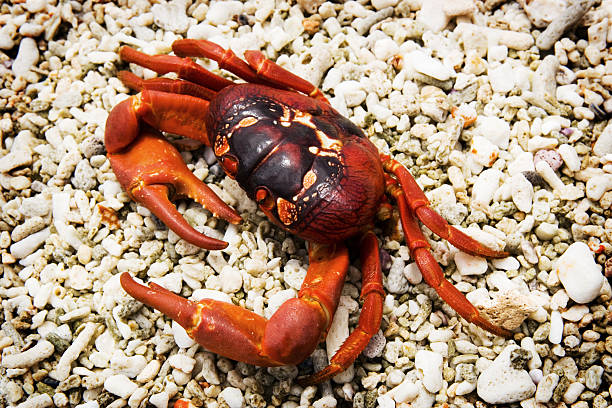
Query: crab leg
column 372, row 294
column 150, row 169
column 258, row 70
column 279, row 76
column 226, row 59
column 175, row 86
column 184, row 67
column 419, row 205
column 431, row 271
column 160, row 171
column 288, row 337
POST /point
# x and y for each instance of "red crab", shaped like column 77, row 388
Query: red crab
column 310, row 170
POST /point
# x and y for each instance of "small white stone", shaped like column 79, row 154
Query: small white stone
column 182, row 362
column 603, row 145
column 579, row 274
column 382, row 4
column 432, row 15
column 396, row 281
column 546, row 387
column 470, row 265
column 483, row 151
column 556, row 327
column 159, row 400
column 522, row 162
column 522, row 192
column 575, row 313
column 573, row 392
column 506, row 264
column 430, row 364
column 385, row 401
column 429, row 66
column 485, row 186
column 171, row 16
column 413, row 273
column 559, row 300
column 232, row 397
column 495, row 129
column 405, row 392
column 570, row 157
column 598, row 185
column 569, row 94
column 149, row 371
column 35, row 6
column 27, row 56
column 326, row 402
column 120, row 385
column 536, row 375
column 28, row 358
column 502, row 78
column 385, row 48
column 500, row 383
column 231, row 279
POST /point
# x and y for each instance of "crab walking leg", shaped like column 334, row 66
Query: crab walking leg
column 372, row 294
column 288, row 337
column 175, row 86
column 419, row 205
column 280, row 77
column 432, row 273
column 184, row 67
column 226, row 59
column 146, row 169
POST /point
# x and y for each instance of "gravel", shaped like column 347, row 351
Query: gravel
column 500, row 110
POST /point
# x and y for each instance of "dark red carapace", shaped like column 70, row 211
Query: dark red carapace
column 311, row 171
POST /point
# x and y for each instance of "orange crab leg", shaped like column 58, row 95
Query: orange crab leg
column 184, row 67
column 226, row 59
column 288, row 337
column 176, row 86
column 419, row 205
column 280, row 77
column 431, row 271
column 160, row 171
column 372, row 294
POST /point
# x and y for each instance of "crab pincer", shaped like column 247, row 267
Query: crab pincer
column 161, row 175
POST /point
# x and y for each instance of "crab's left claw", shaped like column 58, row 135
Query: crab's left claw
column 152, row 171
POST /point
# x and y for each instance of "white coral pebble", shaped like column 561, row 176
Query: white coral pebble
column 598, row 185
column 120, row 385
column 470, row 265
column 501, row 383
column 232, row 397
column 430, row 364
column 27, row 56
column 579, row 274
column 28, row 358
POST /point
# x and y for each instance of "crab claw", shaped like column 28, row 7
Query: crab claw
column 182, row 310
column 152, row 171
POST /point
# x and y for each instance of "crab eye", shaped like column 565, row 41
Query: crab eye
column 264, row 198
column 230, row 164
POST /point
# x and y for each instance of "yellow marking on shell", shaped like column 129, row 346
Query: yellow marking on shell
column 246, row 122
column 285, row 120
column 221, row 146
column 309, row 179
column 327, row 143
column 304, row 118
column 287, row 211
column 323, row 153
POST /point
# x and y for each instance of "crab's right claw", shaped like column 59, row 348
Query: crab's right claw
column 151, row 170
